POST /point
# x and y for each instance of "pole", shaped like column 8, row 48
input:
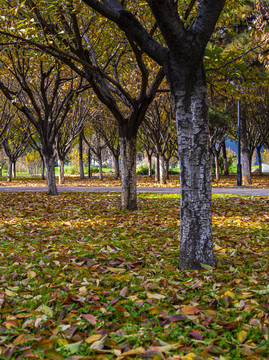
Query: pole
column 239, row 166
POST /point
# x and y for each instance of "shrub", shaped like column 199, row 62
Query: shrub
column 173, row 171
column 95, row 169
column 142, row 170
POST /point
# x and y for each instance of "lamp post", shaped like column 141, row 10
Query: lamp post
column 239, row 165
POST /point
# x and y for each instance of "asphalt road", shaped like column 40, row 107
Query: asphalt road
column 165, row 190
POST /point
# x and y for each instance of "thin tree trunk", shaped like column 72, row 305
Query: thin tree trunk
column 100, row 164
column 50, row 175
column 259, row 159
column 162, row 170
column 89, row 163
column 225, row 160
column 167, row 168
column 1, row 171
column 217, row 172
column 9, row 170
column 61, row 171
column 245, row 155
column 42, row 168
column 80, row 152
column 196, row 236
column 157, row 168
column 128, row 172
column 14, row 169
column 116, row 167
column 150, row 165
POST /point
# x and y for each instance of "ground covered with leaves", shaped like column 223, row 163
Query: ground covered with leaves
column 81, row 279
column 142, row 181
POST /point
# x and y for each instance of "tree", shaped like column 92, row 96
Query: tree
column 157, row 126
column 70, row 129
column 65, row 29
column 16, row 143
column 182, row 60
column 44, row 92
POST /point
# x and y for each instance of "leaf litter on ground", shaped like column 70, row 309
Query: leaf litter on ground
column 80, row 279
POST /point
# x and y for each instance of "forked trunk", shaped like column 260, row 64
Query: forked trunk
column 61, row 171
column 196, row 243
column 162, row 170
column 157, row 168
column 128, row 172
column 50, row 175
column 9, row 170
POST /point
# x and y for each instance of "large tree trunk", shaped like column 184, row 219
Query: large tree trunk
column 61, row 171
column 80, row 154
column 9, row 170
column 50, row 174
column 157, row 168
column 128, row 171
column 116, row 167
column 225, row 160
column 89, row 163
column 245, row 155
column 190, row 98
column 162, row 170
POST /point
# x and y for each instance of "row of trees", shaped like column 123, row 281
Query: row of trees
column 124, row 62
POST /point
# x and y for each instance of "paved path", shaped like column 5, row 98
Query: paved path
column 164, row 190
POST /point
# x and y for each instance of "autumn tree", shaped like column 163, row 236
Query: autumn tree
column 16, row 143
column 44, row 92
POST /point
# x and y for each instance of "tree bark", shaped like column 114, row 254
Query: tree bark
column 100, row 164
column 190, row 98
column 50, row 175
column 167, row 168
column 258, row 148
column 128, row 171
column 9, row 170
column 42, row 168
column 61, row 171
column 245, row 154
column 157, row 168
column 150, row 165
column 89, row 163
column 116, row 167
column 217, row 172
column 80, row 152
column 162, row 170
column 225, row 160
column 14, row 169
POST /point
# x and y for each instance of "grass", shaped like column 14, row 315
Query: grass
column 80, row 279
